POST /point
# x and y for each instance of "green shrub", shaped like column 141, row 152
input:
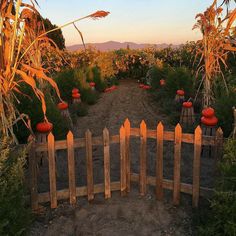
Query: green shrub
column 221, row 218
column 223, row 105
column 100, row 84
column 78, row 110
column 66, row 81
column 15, row 216
column 89, row 96
column 155, row 74
column 179, row 78
column 32, row 107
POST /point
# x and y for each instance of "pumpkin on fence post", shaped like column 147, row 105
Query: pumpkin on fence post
column 187, row 114
column 76, row 96
column 92, row 85
column 179, row 97
column 209, row 124
column 42, row 131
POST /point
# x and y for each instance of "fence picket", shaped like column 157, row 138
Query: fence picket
column 71, row 167
column 177, row 159
column 89, row 165
column 52, row 170
column 33, row 177
column 218, row 143
column 143, row 158
column 159, row 162
column 122, row 162
column 127, row 147
column 106, row 145
column 196, row 165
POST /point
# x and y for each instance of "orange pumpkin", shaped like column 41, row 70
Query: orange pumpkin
column 209, row 121
column 76, row 95
column 44, row 127
column 180, row 92
column 141, row 85
column 92, row 84
column 162, row 82
column 75, row 90
column 208, row 112
column 147, row 87
column 187, row 104
column 62, row 106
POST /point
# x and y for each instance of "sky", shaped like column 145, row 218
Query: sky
column 139, row 21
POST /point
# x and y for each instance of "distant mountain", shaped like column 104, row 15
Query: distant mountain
column 113, row 45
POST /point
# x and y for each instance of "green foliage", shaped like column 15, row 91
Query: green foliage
column 89, row 96
column 32, row 107
column 100, row 84
column 221, row 217
column 56, row 36
column 15, row 217
column 155, row 74
column 78, row 110
column 179, row 78
column 66, row 81
column 223, row 106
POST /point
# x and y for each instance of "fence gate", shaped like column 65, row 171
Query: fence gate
column 126, row 176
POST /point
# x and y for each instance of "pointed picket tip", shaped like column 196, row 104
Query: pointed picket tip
column 127, row 123
column 178, row 127
column 88, row 132
column 70, row 134
column 160, row 125
column 198, row 130
column 143, row 124
column 50, row 136
column 219, row 131
column 105, row 131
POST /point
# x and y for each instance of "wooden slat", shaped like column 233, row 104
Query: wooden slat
column 33, row 177
column 177, row 159
column 89, row 165
column 71, row 167
column 52, row 171
column 196, row 165
column 106, row 146
column 143, row 158
column 127, row 147
column 122, row 162
column 159, row 162
column 80, row 192
column 168, row 184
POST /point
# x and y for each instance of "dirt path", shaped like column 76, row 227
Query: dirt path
column 131, row 215
column 128, row 101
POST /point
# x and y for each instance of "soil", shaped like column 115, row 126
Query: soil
column 131, row 215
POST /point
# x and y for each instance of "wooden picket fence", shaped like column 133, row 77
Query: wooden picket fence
column 126, row 177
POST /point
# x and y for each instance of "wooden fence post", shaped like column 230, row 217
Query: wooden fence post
column 122, row 162
column 106, row 146
column 71, row 167
column 33, row 177
column 196, row 165
column 52, row 170
column 143, row 158
column 89, row 163
column 177, row 160
column 127, row 147
column 159, row 162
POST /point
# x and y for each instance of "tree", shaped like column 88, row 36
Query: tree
column 56, row 36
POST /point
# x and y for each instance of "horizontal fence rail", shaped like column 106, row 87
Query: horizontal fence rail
column 126, row 133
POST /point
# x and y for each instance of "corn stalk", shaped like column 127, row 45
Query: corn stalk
column 23, row 43
column 214, row 47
